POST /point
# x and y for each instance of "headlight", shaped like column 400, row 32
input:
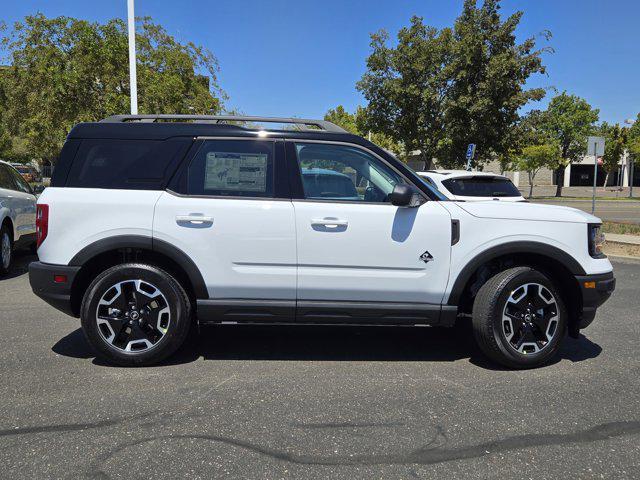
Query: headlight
column 596, row 240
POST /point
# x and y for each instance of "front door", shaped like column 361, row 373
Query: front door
column 354, row 245
column 228, row 220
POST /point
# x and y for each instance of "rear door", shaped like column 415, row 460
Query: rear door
column 227, row 211
column 354, row 245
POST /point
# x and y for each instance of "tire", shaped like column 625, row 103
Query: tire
column 519, row 318
column 135, row 315
column 6, row 249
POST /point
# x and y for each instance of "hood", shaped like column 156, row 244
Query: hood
column 526, row 211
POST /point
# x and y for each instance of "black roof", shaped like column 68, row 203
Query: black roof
column 164, row 130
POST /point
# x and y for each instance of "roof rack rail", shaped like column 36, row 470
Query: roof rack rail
column 305, row 123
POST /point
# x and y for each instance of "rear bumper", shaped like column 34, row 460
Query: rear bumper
column 58, row 295
column 596, row 289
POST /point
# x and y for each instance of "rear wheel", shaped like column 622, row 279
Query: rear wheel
column 519, row 318
column 6, row 249
column 135, row 314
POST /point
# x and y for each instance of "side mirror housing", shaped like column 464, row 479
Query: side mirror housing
column 402, row 196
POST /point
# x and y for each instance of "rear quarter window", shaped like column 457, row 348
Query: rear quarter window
column 126, row 164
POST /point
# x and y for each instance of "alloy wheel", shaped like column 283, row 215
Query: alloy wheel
column 133, row 316
column 530, row 318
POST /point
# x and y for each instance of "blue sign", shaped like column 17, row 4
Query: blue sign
column 471, row 150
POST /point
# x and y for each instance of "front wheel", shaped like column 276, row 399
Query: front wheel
column 519, row 318
column 135, row 315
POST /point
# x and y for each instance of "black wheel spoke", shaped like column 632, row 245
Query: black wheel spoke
column 530, row 316
column 129, row 292
column 132, row 316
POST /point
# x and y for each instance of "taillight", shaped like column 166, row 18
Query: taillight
column 42, row 222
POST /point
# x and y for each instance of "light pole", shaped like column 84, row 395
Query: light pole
column 133, row 84
column 630, row 122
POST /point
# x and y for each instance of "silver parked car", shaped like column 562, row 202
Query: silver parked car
column 17, row 215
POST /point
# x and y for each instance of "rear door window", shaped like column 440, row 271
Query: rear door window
column 232, row 168
column 481, row 187
column 126, row 164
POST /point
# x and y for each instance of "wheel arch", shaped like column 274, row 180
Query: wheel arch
column 549, row 260
column 7, row 220
column 108, row 252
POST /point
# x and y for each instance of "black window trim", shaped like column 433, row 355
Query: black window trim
column 173, row 186
column 298, row 190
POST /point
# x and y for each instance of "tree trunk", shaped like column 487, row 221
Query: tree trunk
column 606, row 179
column 530, row 185
column 559, row 174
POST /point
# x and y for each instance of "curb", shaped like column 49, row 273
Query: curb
column 622, row 245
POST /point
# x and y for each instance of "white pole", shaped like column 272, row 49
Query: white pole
column 595, row 176
column 132, row 58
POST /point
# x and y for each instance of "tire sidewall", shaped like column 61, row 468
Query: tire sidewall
column 178, row 308
column 530, row 359
column 6, row 231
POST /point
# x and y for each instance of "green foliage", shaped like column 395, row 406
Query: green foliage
column 536, row 157
column 343, row 119
column 569, row 120
column 357, row 124
column 634, row 140
column 614, row 147
column 439, row 90
column 66, row 71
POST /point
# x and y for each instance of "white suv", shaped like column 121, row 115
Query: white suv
column 472, row 186
column 152, row 225
column 17, row 215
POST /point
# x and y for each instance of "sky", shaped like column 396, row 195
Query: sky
column 302, row 57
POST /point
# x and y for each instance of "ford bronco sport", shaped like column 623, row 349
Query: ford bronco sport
column 155, row 222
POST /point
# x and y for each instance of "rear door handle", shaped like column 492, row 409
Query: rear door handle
column 329, row 222
column 194, row 220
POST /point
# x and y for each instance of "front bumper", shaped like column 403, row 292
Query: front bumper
column 57, row 294
column 595, row 289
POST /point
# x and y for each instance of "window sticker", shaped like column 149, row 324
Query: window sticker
column 236, row 171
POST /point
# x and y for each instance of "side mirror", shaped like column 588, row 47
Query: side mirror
column 38, row 189
column 401, row 196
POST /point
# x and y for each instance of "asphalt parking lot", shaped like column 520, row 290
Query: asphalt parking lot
column 317, row 402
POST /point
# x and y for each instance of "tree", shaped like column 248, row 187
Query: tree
column 487, row 73
column 614, row 147
column 536, row 157
column 568, row 120
column 439, row 90
column 633, row 139
column 64, row 71
column 357, row 122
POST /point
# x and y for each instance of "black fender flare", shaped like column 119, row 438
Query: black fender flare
column 511, row 248
column 146, row 243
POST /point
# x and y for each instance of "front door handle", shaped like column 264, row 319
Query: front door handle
column 194, row 220
column 329, row 222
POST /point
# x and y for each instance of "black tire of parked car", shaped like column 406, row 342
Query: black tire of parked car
column 177, row 300
column 5, row 231
column 487, row 319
